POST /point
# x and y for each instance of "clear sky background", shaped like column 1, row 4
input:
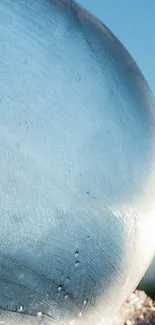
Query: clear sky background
column 133, row 22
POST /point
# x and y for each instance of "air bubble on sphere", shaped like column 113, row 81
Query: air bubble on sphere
column 47, row 295
column 76, row 264
column 20, row 309
column 60, row 287
column 76, row 254
column 39, row 313
column 85, row 302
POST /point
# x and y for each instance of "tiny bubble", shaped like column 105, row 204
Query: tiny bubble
column 76, row 254
column 76, row 264
column 80, row 314
column 20, row 309
column 66, row 296
column 60, row 287
column 39, row 313
column 85, row 302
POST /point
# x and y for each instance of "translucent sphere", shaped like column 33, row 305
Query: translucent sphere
column 77, row 157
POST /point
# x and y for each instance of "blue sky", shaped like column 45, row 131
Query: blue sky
column 133, row 22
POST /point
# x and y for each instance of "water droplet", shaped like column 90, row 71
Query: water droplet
column 68, row 279
column 76, row 254
column 76, row 264
column 80, row 314
column 66, row 296
column 60, row 287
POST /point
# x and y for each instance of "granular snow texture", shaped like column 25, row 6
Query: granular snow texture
column 139, row 309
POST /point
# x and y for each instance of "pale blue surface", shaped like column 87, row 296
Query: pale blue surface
column 133, row 22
